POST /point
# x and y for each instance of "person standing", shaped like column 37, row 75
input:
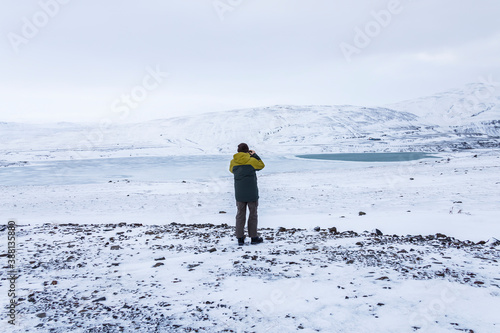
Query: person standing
column 244, row 165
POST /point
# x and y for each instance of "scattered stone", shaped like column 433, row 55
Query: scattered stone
column 333, row 230
column 403, row 257
column 100, row 299
column 383, row 278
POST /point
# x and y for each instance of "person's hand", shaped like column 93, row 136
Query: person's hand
column 251, row 152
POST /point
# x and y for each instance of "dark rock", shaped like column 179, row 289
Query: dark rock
column 41, row 315
column 317, row 228
column 361, row 213
column 158, row 264
column 212, row 250
column 222, row 212
column 100, row 299
column 116, row 247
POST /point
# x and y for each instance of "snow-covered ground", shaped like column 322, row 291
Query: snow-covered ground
column 143, row 195
column 455, row 193
column 194, row 278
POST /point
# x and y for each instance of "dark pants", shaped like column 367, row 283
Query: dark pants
column 241, row 217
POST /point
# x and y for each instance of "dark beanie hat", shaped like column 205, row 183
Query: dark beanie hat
column 243, row 148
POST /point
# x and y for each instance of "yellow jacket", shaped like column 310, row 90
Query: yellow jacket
column 243, row 166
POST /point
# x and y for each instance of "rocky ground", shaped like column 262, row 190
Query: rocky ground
column 194, row 278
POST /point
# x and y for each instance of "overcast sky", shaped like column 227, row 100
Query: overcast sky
column 72, row 60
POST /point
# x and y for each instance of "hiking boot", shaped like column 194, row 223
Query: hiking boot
column 257, row 240
column 241, row 241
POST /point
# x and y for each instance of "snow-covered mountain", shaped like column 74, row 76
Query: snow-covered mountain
column 464, row 118
column 475, row 102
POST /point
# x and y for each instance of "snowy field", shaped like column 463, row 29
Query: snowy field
column 456, row 193
column 194, row 278
column 160, row 256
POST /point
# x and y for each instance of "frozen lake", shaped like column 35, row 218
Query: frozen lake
column 370, row 157
column 166, row 168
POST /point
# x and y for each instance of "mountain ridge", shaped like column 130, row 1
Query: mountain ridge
column 429, row 123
